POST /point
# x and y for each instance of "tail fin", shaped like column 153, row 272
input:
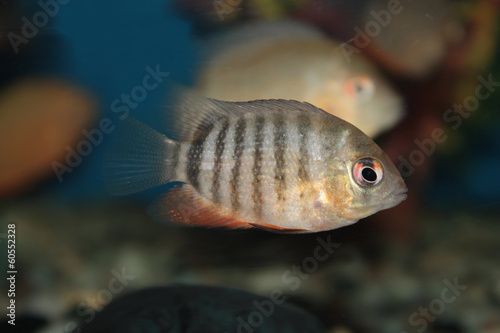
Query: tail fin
column 139, row 159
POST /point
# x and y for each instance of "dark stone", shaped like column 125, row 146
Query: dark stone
column 190, row 309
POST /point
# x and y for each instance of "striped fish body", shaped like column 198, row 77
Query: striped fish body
column 276, row 165
column 242, row 164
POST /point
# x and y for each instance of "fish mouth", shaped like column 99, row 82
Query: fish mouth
column 390, row 202
column 401, row 195
column 396, row 199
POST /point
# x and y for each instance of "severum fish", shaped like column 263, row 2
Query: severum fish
column 278, row 165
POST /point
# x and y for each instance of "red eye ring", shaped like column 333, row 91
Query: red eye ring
column 367, row 172
column 360, row 87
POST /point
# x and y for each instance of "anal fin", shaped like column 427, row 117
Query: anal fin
column 182, row 205
column 278, row 229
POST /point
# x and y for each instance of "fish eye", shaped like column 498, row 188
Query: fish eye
column 367, row 172
column 360, row 87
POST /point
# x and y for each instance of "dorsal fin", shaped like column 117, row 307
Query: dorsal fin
column 279, row 105
column 189, row 113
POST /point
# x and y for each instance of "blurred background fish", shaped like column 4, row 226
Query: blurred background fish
column 46, row 117
column 408, row 38
column 292, row 60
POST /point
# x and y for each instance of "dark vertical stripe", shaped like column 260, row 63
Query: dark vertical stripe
column 239, row 143
column 279, row 155
column 220, row 145
column 257, row 167
column 304, row 127
column 195, row 155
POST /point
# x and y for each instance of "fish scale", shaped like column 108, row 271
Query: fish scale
column 279, row 156
column 257, row 195
column 239, row 144
column 267, row 182
column 195, row 156
column 205, row 144
column 277, row 165
column 220, row 145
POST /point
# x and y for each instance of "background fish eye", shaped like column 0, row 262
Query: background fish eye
column 360, row 87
